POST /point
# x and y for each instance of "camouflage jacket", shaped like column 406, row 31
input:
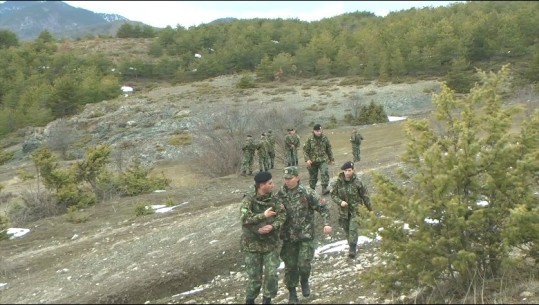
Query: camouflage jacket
column 300, row 204
column 317, row 149
column 249, row 146
column 353, row 192
column 356, row 138
column 262, row 147
column 252, row 218
column 271, row 143
column 291, row 141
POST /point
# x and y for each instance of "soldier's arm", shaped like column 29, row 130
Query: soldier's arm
column 306, row 152
column 335, row 196
column 364, row 194
column 329, row 150
column 280, row 218
column 319, row 205
column 247, row 216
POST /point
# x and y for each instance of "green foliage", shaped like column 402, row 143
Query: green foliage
column 471, row 157
column 246, row 82
column 135, row 180
column 367, row 114
column 128, row 30
column 8, row 39
column 461, row 77
column 74, row 215
column 4, row 225
column 5, row 156
column 141, row 209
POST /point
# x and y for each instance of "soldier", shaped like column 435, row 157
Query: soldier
column 349, row 193
column 291, row 142
column 355, row 139
column 248, row 150
column 271, row 148
column 262, row 153
column 261, row 220
column 298, row 231
column 317, row 151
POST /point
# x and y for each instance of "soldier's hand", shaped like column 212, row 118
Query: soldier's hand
column 332, row 162
column 344, row 204
column 265, row 229
column 269, row 212
column 309, row 162
column 327, row 229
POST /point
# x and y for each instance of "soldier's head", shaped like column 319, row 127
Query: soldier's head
column 354, row 129
column 348, row 169
column 291, row 130
column 263, row 183
column 317, row 130
column 291, row 176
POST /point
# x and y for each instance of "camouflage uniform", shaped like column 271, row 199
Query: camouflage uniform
column 318, row 150
column 271, row 149
column 262, row 154
column 248, row 150
column 261, row 250
column 298, row 231
column 291, row 142
column 355, row 139
column 354, row 193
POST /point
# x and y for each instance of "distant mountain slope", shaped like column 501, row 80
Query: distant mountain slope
column 29, row 18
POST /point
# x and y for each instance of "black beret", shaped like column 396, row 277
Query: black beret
column 347, row 165
column 262, row 177
column 317, row 127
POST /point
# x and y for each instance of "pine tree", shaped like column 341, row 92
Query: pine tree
column 464, row 199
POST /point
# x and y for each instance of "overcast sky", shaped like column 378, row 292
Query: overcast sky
column 193, row 13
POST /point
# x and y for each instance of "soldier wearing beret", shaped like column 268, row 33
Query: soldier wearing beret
column 261, row 219
column 349, row 193
column 317, row 152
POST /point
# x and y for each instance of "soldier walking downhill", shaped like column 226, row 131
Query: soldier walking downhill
column 349, row 193
column 298, row 231
column 248, row 150
column 317, row 152
column 262, row 153
column 291, row 143
column 355, row 139
column 271, row 149
column 261, row 220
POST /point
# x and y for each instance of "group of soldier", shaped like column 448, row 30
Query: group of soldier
column 265, row 151
column 280, row 225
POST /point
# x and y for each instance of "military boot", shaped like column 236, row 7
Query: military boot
column 266, row 300
column 325, row 190
column 292, row 295
column 249, row 301
column 305, row 289
column 352, row 251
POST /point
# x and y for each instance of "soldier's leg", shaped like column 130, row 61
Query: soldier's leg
column 324, row 177
column 313, row 175
column 345, row 225
column 253, row 267
column 260, row 163
column 296, row 157
column 271, row 277
column 289, row 157
column 251, row 162
column 353, row 230
column 306, row 254
column 267, row 162
column 272, row 159
column 289, row 255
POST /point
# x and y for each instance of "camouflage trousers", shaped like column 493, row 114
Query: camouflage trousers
column 247, row 163
column 271, row 159
column 350, row 227
column 297, row 257
column 261, row 270
column 291, row 157
column 356, row 153
column 263, row 162
column 316, row 167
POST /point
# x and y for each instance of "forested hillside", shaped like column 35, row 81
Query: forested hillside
column 47, row 79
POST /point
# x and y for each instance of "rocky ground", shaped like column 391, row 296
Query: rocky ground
column 191, row 254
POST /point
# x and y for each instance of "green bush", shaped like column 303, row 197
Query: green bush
column 141, row 208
